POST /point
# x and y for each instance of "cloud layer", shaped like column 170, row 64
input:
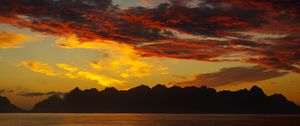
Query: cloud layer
column 233, row 75
column 37, row 94
column 2, row 91
column 253, row 31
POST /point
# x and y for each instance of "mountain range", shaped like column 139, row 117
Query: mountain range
column 161, row 99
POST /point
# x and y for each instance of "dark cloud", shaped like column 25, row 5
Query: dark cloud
column 218, row 28
column 2, row 91
column 233, row 75
column 37, row 94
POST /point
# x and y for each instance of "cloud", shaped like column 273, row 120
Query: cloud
column 38, row 94
column 120, row 58
column 2, row 91
column 152, row 3
column 68, row 71
column 67, row 67
column 12, row 40
column 118, row 63
column 39, row 67
column 209, row 30
column 101, row 79
column 233, row 75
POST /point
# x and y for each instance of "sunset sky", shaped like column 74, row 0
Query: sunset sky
column 52, row 46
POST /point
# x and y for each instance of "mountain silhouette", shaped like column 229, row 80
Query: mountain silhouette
column 161, row 99
column 6, row 106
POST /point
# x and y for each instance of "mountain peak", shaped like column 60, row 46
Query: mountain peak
column 278, row 97
column 76, row 89
column 4, row 100
column 257, row 91
column 159, row 87
column 141, row 88
column 110, row 90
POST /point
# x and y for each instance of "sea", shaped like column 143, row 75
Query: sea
column 75, row 119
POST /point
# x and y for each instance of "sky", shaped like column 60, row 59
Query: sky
column 52, row 46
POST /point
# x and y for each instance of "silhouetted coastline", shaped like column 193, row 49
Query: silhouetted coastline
column 161, row 99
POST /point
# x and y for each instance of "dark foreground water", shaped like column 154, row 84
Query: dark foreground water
column 147, row 120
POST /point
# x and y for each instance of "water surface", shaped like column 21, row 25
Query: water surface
column 45, row 119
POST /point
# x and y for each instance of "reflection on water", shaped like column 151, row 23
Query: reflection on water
column 146, row 120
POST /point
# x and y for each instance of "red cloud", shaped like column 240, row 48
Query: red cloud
column 249, row 30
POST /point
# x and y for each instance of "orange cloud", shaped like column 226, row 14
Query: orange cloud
column 39, row 67
column 101, row 79
column 70, row 72
column 120, row 62
column 12, row 40
column 67, row 67
column 120, row 58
